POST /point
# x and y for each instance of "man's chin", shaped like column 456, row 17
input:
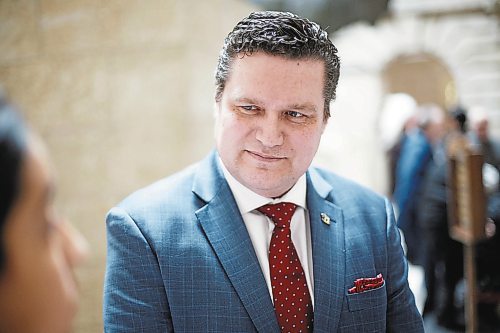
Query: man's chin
column 268, row 188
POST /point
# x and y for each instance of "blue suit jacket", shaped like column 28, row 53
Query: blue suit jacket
column 180, row 259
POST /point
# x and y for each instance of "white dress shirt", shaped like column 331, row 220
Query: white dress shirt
column 260, row 227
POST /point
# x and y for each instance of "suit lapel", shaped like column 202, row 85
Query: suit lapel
column 225, row 230
column 328, row 248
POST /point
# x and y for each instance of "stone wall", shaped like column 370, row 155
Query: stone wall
column 121, row 92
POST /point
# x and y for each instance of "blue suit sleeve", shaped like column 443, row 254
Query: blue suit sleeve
column 134, row 294
column 402, row 313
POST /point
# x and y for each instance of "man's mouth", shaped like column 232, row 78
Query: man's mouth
column 265, row 157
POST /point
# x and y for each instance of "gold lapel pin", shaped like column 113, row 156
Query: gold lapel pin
column 325, row 218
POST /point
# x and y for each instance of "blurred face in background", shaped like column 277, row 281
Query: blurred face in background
column 435, row 130
column 37, row 285
column 481, row 129
column 435, row 122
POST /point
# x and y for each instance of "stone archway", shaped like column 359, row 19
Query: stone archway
column 422, row 76
column 465, row 44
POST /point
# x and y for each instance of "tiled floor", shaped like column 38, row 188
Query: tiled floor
column 431, row 326
column 416, row 280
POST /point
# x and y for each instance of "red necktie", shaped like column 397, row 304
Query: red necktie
column 292, row 301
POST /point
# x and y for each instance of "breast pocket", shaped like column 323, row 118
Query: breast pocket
column 370, row 299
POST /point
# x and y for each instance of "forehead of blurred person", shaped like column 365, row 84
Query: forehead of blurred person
column 479, row 122
column 431, row 119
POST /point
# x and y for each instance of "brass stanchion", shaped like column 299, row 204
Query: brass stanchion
column 467, row 218
column 471, row 292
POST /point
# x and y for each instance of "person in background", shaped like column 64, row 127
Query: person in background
column 253, row 239
column 443, row 260
column 487, row 250
column 488, row 270
column 38, row 249
column 415, row 154
column 480, row 138
column 398, row 119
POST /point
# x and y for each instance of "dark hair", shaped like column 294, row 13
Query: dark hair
column 459, row 114
column 283, row 34
column 12, row 152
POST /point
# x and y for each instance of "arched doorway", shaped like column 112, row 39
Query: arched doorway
column 410, row 81
column 422, row 76
column 443, row 60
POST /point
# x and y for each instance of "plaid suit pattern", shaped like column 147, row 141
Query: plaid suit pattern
column 180, row 259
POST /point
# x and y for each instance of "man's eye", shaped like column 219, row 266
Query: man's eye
column 295, row 114
column 248, row 108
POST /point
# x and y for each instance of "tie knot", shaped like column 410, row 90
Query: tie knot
column 280, row 213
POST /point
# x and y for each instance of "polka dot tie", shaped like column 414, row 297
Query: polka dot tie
column 292, row 301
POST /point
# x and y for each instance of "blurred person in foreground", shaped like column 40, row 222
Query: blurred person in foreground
column 212, row 248
column 38, row 250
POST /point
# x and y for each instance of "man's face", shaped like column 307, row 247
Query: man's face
column 269, row 120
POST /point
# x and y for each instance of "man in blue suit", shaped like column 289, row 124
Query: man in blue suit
column 203, row 250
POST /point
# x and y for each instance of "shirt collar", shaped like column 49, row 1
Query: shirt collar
column 247, row 200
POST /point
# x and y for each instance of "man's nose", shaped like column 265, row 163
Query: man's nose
column 269, row 131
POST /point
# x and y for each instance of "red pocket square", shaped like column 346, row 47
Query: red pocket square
column 364, row 284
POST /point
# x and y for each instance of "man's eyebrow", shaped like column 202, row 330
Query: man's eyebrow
column 248, row 100
column 304, row 107
column 296, row 106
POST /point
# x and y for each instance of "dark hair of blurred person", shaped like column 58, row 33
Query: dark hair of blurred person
column 12, row 149
column 38, row 250
column 459, row 115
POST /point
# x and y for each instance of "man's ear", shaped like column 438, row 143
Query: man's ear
column 325, row 123
column 216, row 109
